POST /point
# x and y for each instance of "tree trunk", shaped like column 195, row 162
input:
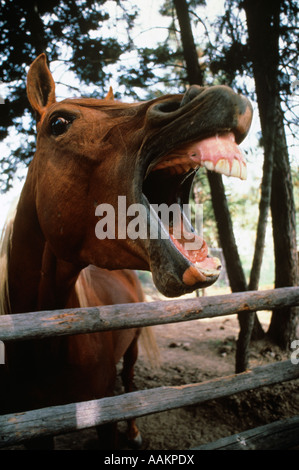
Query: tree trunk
column 37, row 28
column 263, row 21
column 194, row 73
column 234, row 268
column 264, row 208
column 283, row 324
column 227, row 239
column 220, row 205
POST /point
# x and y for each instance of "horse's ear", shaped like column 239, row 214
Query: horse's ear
column 40, row 86
column 110, row 95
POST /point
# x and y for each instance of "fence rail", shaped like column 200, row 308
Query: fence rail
column 279, row 435
column 17, row 427
column 114, row 317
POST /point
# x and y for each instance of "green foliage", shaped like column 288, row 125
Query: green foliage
column 70, row 33
column 78, row 37
column 154, row 66
column 230, row 57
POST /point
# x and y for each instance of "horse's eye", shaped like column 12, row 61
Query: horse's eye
column 59, row 125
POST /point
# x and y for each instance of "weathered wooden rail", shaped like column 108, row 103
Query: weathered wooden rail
column 115, row 317
column 60, row 419
column 17, row 427
column 280, row 435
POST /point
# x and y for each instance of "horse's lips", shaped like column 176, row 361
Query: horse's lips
column 218, row 153
column 201, row 272
column 202, row 267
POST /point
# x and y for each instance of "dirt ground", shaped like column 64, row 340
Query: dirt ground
column 193, row 352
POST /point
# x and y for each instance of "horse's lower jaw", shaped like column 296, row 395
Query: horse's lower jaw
column 174, row 275
column 177, row 271
column 178, row 257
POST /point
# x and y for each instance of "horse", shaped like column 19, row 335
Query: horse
column 88, row 153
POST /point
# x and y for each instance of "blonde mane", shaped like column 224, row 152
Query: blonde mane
column 5, row 244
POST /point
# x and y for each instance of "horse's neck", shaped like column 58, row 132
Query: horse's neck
column 37, row 280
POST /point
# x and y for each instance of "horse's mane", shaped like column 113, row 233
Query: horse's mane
column 5, row 242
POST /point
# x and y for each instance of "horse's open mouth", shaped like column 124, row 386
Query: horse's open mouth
column 167, row 183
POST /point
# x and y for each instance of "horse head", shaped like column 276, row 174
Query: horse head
column 91, row 151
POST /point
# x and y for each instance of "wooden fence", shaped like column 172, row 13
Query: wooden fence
column 15, row 428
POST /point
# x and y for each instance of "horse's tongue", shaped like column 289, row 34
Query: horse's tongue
column 219, row 153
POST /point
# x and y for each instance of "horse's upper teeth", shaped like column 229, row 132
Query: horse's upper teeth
column 243, row 172
column 223, row 166
column 209, row 165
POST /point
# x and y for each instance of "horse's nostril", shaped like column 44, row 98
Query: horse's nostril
column 167, row 107
column 160, row 113
column 191, row 93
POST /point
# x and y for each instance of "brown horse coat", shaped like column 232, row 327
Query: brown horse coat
column 89, row 152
